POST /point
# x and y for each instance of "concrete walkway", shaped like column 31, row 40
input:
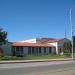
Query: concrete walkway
column 32, row 61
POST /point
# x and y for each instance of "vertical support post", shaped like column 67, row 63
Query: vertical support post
column 71, row 33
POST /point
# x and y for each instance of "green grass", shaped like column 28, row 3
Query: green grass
column 33, row 57
column 45, row 57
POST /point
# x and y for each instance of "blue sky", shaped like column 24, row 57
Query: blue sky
column 25, row 19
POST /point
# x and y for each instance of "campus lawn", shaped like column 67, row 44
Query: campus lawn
column 33, row 57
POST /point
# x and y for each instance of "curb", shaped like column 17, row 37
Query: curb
column 14, row 62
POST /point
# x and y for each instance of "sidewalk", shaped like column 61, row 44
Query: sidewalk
column 33, row 61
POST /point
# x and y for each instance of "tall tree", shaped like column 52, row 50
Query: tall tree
column 3, row 37
column 67, row 47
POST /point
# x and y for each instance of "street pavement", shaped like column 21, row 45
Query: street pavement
column 39, row 68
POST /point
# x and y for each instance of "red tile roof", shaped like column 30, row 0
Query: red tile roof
column 48, row 40
column 31, row 44
column 54, row 40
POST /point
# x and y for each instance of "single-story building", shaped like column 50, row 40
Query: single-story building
column 37, row 46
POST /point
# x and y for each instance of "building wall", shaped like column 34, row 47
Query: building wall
column 25, row 50
column 53, row 50
column 42, row 51
column 47, row 49
column 6, row 49
column 59, row 45
column 56, row 47
column 36, row 51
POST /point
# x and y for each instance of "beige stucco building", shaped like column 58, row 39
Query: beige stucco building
column 37, row 46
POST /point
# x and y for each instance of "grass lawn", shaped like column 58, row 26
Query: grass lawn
column 33, row 57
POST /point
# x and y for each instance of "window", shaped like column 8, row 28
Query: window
column 36, row 51
column 39, row 49
column 29, row 50
column 13, row 51
column 49, row 50
column 17, row 48
column 32, row 50
column 44, row 49
column 21, row 48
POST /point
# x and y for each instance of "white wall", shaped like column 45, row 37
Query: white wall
column 30, row 41
column 56, row 46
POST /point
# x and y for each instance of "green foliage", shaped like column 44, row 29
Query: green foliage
column 67, row 47
column 3, row 37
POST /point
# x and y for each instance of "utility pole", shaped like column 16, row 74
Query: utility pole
column 71, row 32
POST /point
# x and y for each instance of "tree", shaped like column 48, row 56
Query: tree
column 3, row 37
column 3, row 40
column 67, row 47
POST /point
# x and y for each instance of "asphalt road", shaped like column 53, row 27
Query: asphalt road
column 39, row 68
